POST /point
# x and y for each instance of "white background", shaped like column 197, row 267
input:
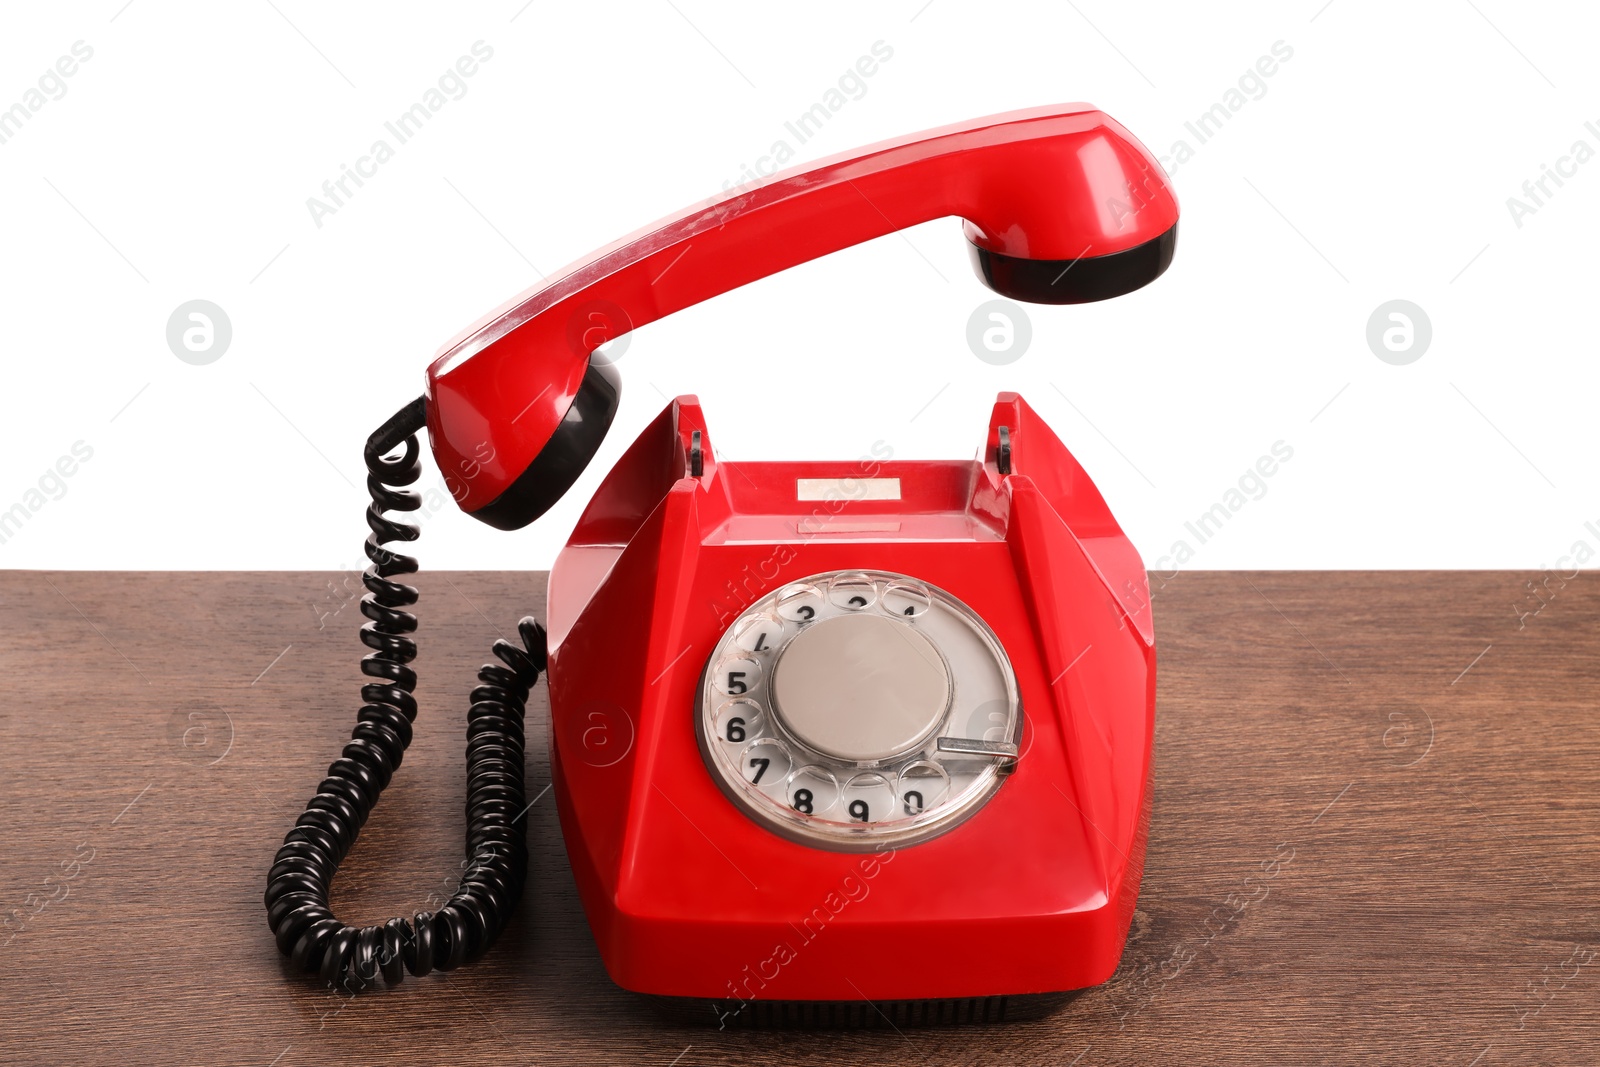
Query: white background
column 1376, row 165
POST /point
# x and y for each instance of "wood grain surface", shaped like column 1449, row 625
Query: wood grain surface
column 1374, row 837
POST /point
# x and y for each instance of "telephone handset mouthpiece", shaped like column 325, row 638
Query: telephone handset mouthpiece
column 1061, row 205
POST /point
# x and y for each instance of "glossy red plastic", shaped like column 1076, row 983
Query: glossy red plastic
column 1051, row 183
column 686, row 895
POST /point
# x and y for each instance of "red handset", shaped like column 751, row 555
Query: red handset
column 1061, row 206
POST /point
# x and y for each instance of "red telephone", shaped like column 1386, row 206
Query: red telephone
column 821, row 733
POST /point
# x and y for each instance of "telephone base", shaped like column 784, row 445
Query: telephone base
column 782, row 885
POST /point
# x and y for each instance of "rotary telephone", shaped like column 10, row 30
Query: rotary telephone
column 823, row 735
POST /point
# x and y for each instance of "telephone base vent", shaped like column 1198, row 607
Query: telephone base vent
column 857, row 1014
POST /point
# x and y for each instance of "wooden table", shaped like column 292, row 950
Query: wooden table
column 1375, row 835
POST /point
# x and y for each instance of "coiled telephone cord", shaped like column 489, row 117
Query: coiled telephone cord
column 497, row 852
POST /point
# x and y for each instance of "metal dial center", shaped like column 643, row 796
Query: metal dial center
column 861, row 687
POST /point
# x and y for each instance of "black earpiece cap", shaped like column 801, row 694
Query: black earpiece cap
column 1075, row 281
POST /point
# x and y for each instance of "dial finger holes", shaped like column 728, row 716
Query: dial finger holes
column 812, row 790
column 759, row 633
column 852, row 592
column 923, row 785
column 907, row 599
column 868, row 797
column 822, row 705
column 738, row 721
column 765, row 763
column 800, row 603
column 737, row 676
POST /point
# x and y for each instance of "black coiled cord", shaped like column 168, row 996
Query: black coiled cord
column 497, row 851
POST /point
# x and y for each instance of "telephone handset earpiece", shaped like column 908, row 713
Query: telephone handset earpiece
column 1060, row 204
